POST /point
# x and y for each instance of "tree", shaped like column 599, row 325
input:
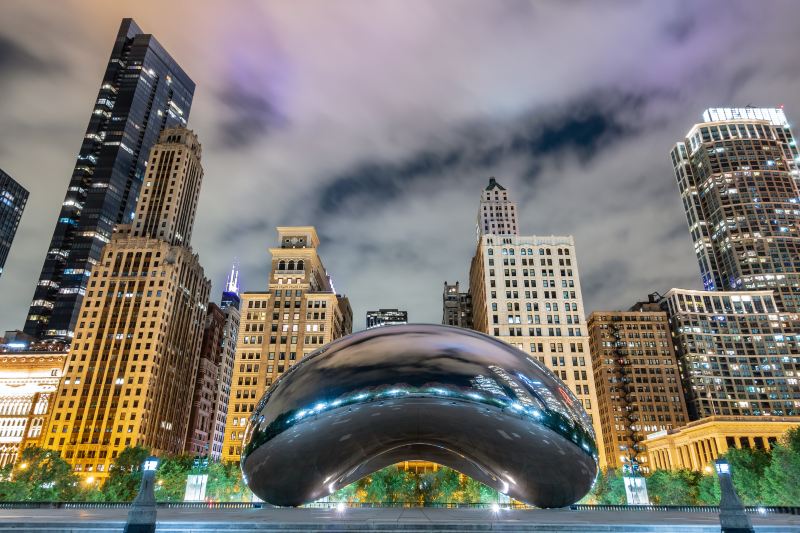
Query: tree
column 708, row 491
column 673, row 487
column 225, row 483
column 124, row 475
column 39, row 475
column 609, row 488
column 475, row 492
column 171, row 477
column 391, row 484
column 747, row 472
column 781, row 483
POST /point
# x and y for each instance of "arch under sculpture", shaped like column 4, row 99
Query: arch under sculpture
column 425, row 392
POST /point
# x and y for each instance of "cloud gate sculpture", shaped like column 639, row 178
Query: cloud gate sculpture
column 425, row 392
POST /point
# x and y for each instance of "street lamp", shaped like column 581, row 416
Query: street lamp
column 142, row 516
column 732, row 516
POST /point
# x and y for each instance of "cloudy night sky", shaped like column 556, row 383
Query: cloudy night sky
column 380, row 123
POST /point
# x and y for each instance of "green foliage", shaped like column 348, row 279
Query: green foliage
column 708, row 491
column 673, row 487
column 747, row 472
column 609, row 488
column 124, row 475
column 38, row 475
column 781, row 483
column 225, row 483
column 395, row 484
column 171, row 477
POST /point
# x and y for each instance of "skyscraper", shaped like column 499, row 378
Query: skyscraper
column 143, row 91
column 386, row 317
column 637, row 378
column 134, row 357
column 456, row 306
column 739, row 354
column 212, row 387
column 13, row 198
column 738, row 174
column 526, row 291
column 227, row 356
column 298, row 313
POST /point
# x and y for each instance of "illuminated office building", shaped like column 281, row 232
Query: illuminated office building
column 526, row 291
column 13, row 198
column 738, row 174
column 456, row 306
column 142, row 92
column 134, row 357
column 298, row 313
column 637, row 379
column 738, row 354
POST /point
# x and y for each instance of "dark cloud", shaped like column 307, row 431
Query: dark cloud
column 16, row 59
column 582, row 128
column 251, row 117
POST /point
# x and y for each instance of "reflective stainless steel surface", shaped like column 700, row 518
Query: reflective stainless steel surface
column 438, row 393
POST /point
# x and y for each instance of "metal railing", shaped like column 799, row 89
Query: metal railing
column 756, row 510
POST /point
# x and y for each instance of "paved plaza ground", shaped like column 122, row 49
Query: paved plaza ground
column 380, row 520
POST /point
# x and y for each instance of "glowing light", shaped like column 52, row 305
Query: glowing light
column 495, row 508
column 90, row 480
column 340, row 507
column 23, row 466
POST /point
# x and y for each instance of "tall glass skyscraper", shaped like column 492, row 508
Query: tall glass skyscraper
column 13, row 198
column 143, row 91
column 738, row 176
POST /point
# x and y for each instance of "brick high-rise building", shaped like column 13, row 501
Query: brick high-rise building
column 456, row 306
column 298, row 313
column 201, row 422
column 142, row 92
column 13, row 198
column 637, row 379
column 526, row 291
column 134, row 357
column 738, row 174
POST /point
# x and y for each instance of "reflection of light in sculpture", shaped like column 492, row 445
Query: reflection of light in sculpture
column 435, row 393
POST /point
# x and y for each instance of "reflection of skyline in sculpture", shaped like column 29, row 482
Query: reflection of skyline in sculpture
column 419, row 392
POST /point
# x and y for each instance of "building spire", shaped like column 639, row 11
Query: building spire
column 232, row 281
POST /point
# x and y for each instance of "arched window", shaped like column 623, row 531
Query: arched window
column 291, row 265
column 300, row 265
column 281, row 265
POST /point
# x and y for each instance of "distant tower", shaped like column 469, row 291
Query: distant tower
column 142, row 92
column 13, row 198
column 738, row 174
column 456, row 306
column 497, row 215
column 230, row 294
